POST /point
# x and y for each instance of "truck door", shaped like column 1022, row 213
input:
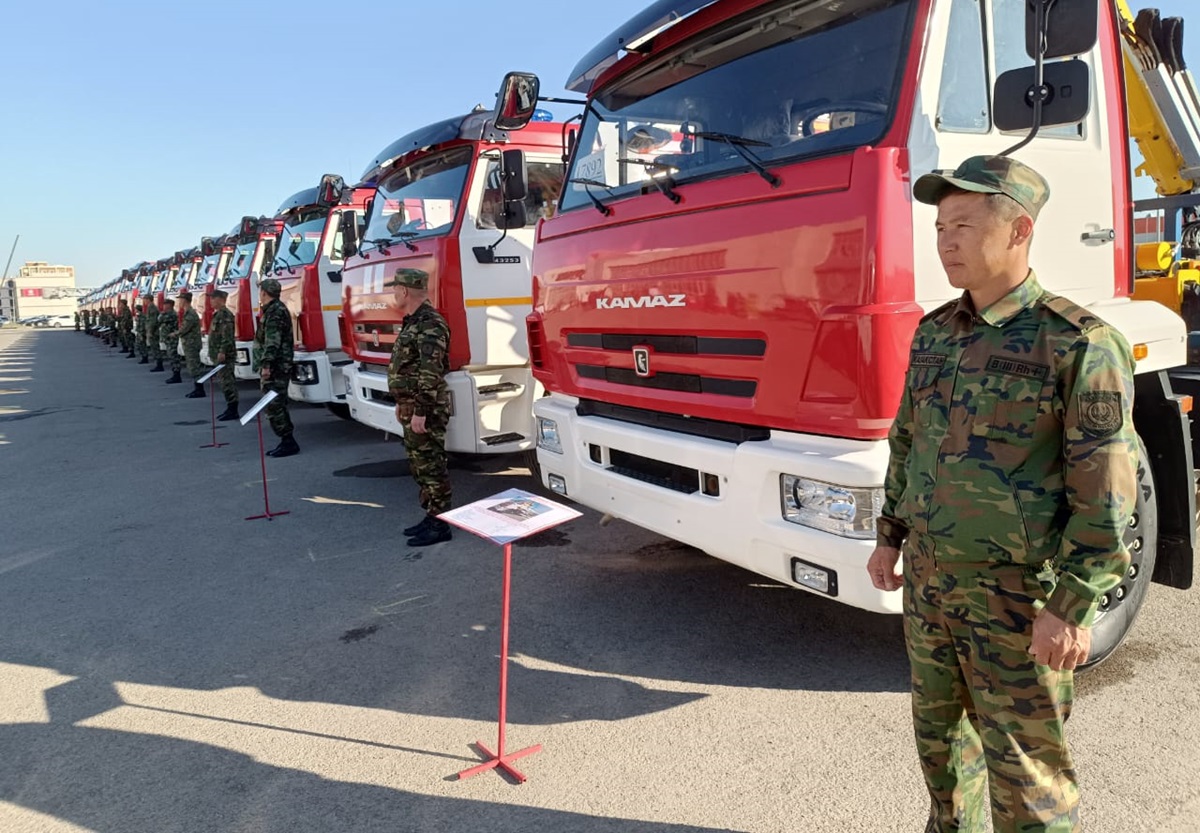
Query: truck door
column 976, row 41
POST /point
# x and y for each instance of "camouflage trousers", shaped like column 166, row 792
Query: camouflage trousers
column 153, row 350
column 427, row 463
column 125, row 339
column 192, row 357
column 140, row 344
column 277, row 410
column 987, row 718
column 228, row 384
column 175, row 360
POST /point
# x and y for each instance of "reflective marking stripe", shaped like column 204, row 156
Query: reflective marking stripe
column 331, row 308
column 499, row 302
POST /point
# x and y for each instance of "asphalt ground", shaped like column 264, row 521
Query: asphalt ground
column 167, row 666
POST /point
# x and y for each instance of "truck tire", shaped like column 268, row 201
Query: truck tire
column 1120, row 606
column 339, row 409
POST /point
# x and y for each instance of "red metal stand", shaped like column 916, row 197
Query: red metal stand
column 211, row 399
column 499, row 758
column 262, row 455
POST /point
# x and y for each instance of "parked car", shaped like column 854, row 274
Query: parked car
column 65, row 320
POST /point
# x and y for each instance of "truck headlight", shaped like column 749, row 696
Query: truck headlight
column 547, row 435
column 841, row 510
column 304, row 373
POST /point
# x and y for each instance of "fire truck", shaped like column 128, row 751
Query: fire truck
column 458, row 199
column 723, row 302
column 216, row 254
column 308, row 266
column 253, row 243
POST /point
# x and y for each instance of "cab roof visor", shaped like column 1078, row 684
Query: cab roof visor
column 631, row 37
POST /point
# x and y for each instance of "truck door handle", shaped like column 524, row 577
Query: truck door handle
column 1104, row 235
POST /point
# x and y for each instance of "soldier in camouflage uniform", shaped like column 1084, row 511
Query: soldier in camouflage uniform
column 153, row 348
column 168, row 337
column 189, row 336
column 1012, row 477
column 417, row 381
column 139, row 332
column 222, row 348
column 125, row 327
column 274, row 350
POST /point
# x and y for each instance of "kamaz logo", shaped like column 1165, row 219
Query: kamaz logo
column 642, row 301
column 375, row 306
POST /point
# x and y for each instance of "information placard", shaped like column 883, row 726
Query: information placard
column 211, row 374
column 268, row 397
column 509, row 516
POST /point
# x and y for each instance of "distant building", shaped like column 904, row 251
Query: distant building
column 1149, row 228
column 39, row 289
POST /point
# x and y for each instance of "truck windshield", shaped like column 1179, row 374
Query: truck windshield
column 184, row 275
column 242, row 260
column 160, row 280
column 799, row 80
column 420, row 199
column 208, row 270
column 300, row 242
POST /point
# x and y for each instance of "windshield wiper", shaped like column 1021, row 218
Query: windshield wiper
column 739, row 144
column 406, row 237
column 664, row 183
column 381, row 244
column 588, row 184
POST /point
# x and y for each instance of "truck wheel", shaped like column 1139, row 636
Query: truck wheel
column 1120, row 606
column 339, row 409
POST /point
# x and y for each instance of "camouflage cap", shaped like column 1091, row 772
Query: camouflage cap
column 412, row 278
column 988, row 175
column 271, row 287
column 185, row 296
column 220, row 293
column 169, row 302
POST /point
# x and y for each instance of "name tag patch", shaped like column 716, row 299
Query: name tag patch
column 1017, row 367
column 928, row 359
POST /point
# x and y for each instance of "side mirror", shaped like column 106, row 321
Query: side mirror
column 516, row 101
column 334, row 275
column 268, row 254
column 1068, row 95
column 248, row 230
column 329, row 192
column 513, row 216
column 515, row 175
column 1071, row 27
column 348, row 225
column 207, row 246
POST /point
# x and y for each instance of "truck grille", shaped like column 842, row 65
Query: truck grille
column 683, row 382
column 667, row 475
column 681, row 345
column 730, row 432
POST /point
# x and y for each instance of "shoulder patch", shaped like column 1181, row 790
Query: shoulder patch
column 1071, row 312
column 1100, row 413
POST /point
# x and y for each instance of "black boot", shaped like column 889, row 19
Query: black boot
column 197, row 392
column 286, row 448
column 231, row 412
column 175, row 379
column 418, row 527
column 158, row 368
column 145, row 360
column 437, row 532
column 131, row 354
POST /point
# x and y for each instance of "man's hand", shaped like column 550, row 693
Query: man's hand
column 1059, row 644
column 265, row 374
column 220, row 358
column 881, row 566
column 418, row 424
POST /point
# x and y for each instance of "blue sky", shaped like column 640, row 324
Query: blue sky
column 131, row 129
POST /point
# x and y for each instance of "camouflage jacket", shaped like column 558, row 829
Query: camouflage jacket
column 1014, row 443
column 150, row 324
column 274, row 344
column 420, row 362
column 220, row 335
column 125, row 320
column 168, row 326
column 189, row 330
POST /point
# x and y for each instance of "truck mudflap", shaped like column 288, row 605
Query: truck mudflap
column 1170, row 436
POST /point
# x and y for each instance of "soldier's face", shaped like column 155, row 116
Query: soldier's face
column 975, row 246
column 400, row 293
